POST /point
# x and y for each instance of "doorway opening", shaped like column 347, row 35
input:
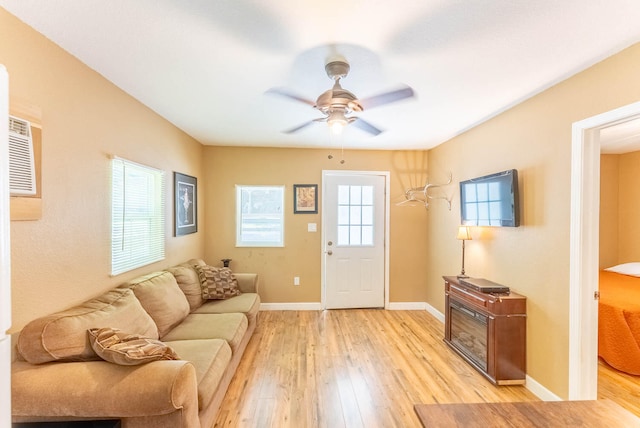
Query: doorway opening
column 584, row 248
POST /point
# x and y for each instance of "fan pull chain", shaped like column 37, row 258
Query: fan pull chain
column 334, row 139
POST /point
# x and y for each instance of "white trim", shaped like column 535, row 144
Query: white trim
column 5, row 254
column 584, row 248
column 436, row 313
column 387, row 213
column 540, row 391
column 416, row 306
column 303, row 306
column 406, row 306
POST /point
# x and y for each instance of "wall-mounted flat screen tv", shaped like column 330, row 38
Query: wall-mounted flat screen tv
column 491, row 200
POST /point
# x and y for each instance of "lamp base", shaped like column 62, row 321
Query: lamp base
column 462, row 276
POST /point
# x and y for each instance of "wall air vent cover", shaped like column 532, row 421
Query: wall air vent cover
column 22, row 175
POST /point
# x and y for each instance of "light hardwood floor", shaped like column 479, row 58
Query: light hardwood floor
column 364, row 368
column 350, row 368
column 620, row 387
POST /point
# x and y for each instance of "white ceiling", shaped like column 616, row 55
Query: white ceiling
column 621, row 138
column 204, row 65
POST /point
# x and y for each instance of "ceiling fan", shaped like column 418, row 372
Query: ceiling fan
column 337, row 104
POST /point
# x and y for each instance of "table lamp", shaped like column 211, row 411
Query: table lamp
column 463, row 235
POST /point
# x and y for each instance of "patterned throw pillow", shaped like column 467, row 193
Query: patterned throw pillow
column 217, row 283
column 117, row 347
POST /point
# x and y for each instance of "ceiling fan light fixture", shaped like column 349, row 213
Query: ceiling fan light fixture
column 337, row 121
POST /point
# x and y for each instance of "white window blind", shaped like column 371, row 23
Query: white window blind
column 137, row 215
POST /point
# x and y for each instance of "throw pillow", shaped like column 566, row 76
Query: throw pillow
column 217, row 283
column 117, row 347
column 631, row 269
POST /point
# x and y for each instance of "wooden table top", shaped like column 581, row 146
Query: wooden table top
column 600, row 413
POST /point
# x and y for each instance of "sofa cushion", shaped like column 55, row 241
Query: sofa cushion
column 230, row 327
column 217, row 283
column 189, row 282
column 63, row 335
column 161, row 297
column 112, row 345
column 246, row 303
column 211, row 358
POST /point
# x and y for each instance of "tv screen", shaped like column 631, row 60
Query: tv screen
column 491, row 200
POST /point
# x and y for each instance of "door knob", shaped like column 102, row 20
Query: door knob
column 329, row 252
column 330, row 243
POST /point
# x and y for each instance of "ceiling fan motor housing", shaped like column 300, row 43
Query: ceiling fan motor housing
column 337, row 69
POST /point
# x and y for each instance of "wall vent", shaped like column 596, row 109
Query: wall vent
column 22, row 174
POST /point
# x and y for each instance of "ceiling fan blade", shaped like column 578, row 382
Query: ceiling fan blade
column 364, row 125
column 287, row 93
column 304, row 125
column 387, row 97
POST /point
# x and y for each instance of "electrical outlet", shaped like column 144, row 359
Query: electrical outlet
column 296, row 280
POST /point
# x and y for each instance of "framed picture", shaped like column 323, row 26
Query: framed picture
column 186, row 204
column 305, row 199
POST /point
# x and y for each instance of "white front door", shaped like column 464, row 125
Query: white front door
column 354, row 239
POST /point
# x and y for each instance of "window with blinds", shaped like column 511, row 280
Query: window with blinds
column 137, row 215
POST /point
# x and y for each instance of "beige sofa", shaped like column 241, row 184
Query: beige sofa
column 57, row 376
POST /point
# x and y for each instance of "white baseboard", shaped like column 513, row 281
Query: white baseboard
column 436, row 313
column 540, row 391
column 317, row 306
column 406, row 306
column 302, row 306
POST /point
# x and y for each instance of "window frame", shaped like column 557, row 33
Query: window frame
column 242, row 241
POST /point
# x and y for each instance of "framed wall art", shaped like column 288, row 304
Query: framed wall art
column 305, row 199
column 186, row 204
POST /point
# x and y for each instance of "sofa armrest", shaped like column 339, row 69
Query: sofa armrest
column 247, row 282
column 99, row 389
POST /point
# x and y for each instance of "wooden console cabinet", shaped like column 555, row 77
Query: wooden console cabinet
column 489, row 331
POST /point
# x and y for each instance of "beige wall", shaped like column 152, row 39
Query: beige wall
column 629, row 208
column 535, row 138
column 619, row 208
column 225, row 167
column 64, row 258
column 609, row 171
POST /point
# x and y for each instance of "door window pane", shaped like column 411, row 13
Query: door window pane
column 354, row 235
column 356, row 195
column 367, row 195
column 355, row 215
column 343, row 195
column 343, row 214
column 343, row 235
column 367, row 215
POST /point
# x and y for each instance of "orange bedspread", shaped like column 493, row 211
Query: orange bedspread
column 619, row 321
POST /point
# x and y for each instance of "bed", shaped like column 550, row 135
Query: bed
column 619, row 318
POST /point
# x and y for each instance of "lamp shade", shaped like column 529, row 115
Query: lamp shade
column 463, row 233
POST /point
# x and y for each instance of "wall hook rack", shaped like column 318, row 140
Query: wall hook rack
column 420, row 195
